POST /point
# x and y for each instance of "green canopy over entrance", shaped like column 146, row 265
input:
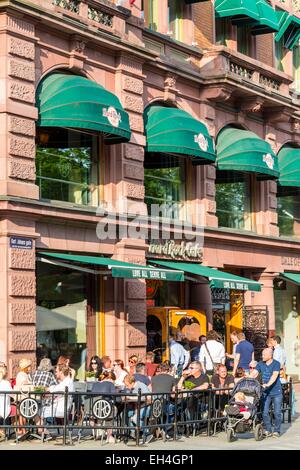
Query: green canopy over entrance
column 174, row 131
column 216, row 278
column 268, row 20
column 240, row 10
column 75, row 102
column 241, row 150
column 118, row 268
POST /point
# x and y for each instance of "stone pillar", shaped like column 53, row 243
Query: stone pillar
column 200, row 299
column 266, row 208
column 17, row 110
column 17, row 300
column 205, row 195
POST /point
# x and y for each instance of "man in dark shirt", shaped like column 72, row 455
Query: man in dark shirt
column 244, row 354
column 194, row 379
column 140, row 374
column 224, row 381
column 163, row 381
column 269, row 369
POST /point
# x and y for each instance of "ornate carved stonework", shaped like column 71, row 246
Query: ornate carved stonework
column 21, row 285
column 170, row 81
column 252, row 105
column 211, row 206
column 22, row 339
column 211, row 172
column 21, row 259
column 210, row 189
column 23, row 126
column 135, row 191
column 135, row 172
column 272, row 202
column 22, row 312
column 136, row 312
column 134, row 85
column 136, row 290
column 136, row 122
column 21, row 26
column 136, row 337
column 79, row 46
column 21, row 48
column 134, row 152
column 21, row 69
column 216, row 93
column 134, row 103
column 22, row 146
column 21, row 91
column 273, row 187
column 21, row 169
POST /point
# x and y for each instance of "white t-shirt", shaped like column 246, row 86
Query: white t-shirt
column 57, row 410
column 5, row 399
column 120, row 380
column 217, row 352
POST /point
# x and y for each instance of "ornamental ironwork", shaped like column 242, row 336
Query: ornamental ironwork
column 102, row 409
column 70, row 5
column 157, row 408
column 28, row 408
column 255, row 327
column 100, row 17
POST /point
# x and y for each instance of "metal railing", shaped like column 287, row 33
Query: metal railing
column 125, row 417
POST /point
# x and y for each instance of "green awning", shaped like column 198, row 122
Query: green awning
column 75, row 102
column 289, row 166
column 289, row 29
column 241, row 11
column 240, row 150
column 217, row 279
column 173, row 131
column 295, row 278
column 119, row 268
column 268, row 21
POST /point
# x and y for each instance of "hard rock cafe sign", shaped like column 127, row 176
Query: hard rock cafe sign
column 183, row 250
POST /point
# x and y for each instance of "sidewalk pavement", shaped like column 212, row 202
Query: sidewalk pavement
column 289, row 440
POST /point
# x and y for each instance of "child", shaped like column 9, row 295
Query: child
column 241, row 402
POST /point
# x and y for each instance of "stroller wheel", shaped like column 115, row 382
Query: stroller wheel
column 230, row 435
column 258, row 432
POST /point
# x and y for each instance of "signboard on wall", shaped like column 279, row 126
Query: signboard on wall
column 21, row 243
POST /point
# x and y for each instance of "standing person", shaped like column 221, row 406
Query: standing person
column 212, row 353
column 196, row 351
column 95, row 366
column 279, row 353
column 234, row 340
column 244, row 354
column 150, row 365
column 269, row 369
column 179, row 356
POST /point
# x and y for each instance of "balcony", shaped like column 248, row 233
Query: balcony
column 246, row 83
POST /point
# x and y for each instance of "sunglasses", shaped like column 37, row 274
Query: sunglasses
column 115, row 365
column 132, row 362
column 94, row 362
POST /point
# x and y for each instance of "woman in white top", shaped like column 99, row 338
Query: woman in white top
column 212, row 353
column 23, row 384
column 4, row 399
column 120, row 373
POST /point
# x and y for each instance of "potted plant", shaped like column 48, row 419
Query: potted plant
column 90, row 377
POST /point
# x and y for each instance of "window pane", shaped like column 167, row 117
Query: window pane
column 233, row 200
column 175, row 13
column 67, row 167
column 222, row 31
column 164, row 187
column 296, row 67
column 62, row 315
column 151, row 14
column 289, row 212
column 244, row 40
column 279, row 54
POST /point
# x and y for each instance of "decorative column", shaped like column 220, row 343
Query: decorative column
column 17, row 110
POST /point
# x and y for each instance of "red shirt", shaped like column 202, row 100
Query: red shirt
column 151, row 369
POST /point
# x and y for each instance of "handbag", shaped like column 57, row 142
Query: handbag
column 215, row 365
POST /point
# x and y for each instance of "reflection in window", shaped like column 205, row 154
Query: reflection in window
column 288, row 208
column 61, row 324
column 67, row 166
column 175, row 19
column 150, row 14
column 233, row 200
column 164, row 188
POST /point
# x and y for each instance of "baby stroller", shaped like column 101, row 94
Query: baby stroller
column 236, row 421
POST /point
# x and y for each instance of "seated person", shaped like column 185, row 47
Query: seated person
column 222, row 380
column 193, row 378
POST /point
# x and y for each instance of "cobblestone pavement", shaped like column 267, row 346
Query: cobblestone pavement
column 289, row 440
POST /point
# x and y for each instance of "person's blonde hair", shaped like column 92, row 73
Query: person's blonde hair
column 3, row 372
column 240, row 396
